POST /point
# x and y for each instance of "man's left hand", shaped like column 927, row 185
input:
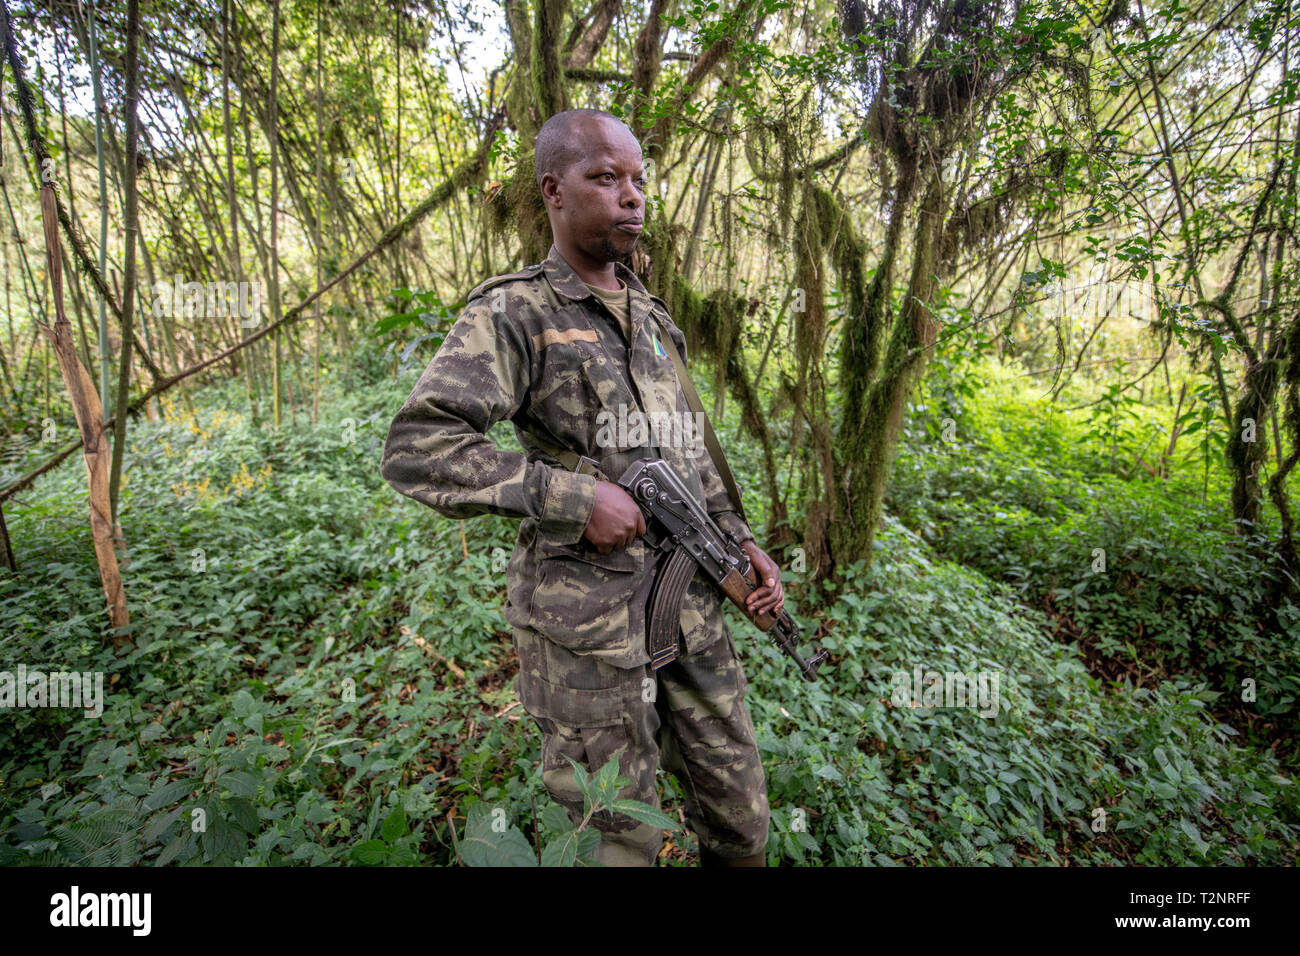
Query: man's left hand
column 769, row 596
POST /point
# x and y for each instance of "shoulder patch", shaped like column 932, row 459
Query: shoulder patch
column 531, row 272
column 660, row 308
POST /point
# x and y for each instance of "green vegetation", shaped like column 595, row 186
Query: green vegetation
column 321, row 667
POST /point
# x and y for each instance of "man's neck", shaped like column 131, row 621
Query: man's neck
column 589, row 270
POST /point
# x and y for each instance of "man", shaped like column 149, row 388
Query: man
column 562, row 349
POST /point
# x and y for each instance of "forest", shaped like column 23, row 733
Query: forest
column 995, row 307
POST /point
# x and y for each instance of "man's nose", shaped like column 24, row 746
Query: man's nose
column 631, row 196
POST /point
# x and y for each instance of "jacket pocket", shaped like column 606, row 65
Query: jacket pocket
column 566, row 399
column 592, row 603
column 631, row 559
column 607, row 383
column 556, row 378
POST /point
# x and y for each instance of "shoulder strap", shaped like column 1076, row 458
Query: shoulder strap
column 480, row 289
column 710, row 437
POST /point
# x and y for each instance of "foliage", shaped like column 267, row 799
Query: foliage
column 1140, row 568
column 488, row 841
column 320, row 674
column 882, row 783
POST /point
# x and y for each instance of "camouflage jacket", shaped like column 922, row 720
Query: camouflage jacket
column 539, row 349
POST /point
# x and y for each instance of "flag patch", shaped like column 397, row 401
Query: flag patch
column 659, row 349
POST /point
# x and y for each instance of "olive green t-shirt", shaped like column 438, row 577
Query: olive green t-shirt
column 619, row 302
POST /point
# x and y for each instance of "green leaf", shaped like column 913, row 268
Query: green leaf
column 173, row 849
column 242, row 704
column 644, row 813
column 398, row 320
column 500, row 849
column 482, row 846
column 370, row 853
column 555, row 818
column 606, row 779
column 244, row 814
column 394, row 826
column 792, row 848
column 239, row 782
column 563, row 850
column 579, row 773
column 588, row 843
column 403, row 856
column 1163, row 790
column 160, row 822
column 169, row 793
column 589, row 788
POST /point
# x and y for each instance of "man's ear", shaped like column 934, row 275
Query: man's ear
column 551, row 196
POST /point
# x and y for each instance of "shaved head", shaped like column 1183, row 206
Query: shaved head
column 591, row 175
column 560, row 143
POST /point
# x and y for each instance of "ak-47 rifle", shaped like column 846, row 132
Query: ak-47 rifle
column 677, row 523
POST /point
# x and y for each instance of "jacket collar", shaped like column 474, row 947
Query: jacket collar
column 569, row 284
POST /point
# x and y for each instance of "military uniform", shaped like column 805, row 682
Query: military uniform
column 541, row 349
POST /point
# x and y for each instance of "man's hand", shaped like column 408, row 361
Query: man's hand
column 769, row 595
column 615, row 518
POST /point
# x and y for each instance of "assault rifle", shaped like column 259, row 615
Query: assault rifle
column 677, row 523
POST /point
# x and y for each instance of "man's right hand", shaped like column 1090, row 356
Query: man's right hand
column 615, row 518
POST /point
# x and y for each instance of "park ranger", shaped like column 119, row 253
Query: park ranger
column 562, row 349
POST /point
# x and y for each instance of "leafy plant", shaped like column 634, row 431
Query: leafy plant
column 489, row 841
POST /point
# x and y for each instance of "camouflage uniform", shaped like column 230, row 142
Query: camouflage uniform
column 537, row 348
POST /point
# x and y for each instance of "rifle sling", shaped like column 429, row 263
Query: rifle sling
column 710, row 437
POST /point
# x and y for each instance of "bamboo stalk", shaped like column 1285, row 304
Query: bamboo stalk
column 131, row 227
column 90, row 421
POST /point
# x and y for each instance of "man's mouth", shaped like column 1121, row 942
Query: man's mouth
column 631, row 225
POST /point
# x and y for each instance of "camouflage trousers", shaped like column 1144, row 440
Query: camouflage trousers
column 691, row 713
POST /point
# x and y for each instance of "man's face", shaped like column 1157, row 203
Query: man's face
column 599, row 203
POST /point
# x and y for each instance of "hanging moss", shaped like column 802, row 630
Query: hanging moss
column 865, row 308
column 546, row 77
column 1287, row 559
column 870, row 441
column 519, row 212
